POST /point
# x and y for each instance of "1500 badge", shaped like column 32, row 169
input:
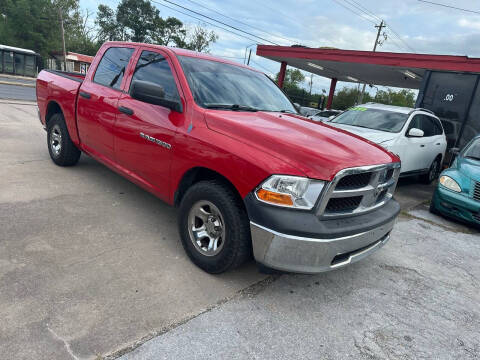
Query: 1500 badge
column 158, row 142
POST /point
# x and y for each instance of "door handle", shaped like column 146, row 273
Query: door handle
column 422, row 145
column 438, row 144
column 85, row 95
column 125, row 110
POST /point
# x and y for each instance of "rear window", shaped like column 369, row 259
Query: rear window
column 376, row 119
column 111, row 69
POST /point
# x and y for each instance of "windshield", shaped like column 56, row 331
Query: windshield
column 376, row 119
column 473, row 150
column 214, row 83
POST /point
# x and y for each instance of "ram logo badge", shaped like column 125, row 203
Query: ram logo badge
column 158, row 142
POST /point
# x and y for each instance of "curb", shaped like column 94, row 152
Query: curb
column 16, row 84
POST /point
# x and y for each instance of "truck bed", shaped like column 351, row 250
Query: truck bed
column 59, row 88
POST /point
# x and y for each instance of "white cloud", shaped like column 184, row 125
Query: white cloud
column 467, row 23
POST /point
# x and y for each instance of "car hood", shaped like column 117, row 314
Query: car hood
column 376, row 136
column 316, row 149
column 469, row 168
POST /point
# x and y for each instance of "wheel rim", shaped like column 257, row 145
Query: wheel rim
column 433, row 170
column 206, row 228
column 56, row 140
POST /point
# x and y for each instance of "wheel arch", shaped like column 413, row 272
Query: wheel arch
column 197, row 174
column 52, row 108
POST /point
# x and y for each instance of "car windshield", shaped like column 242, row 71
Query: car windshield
column 376, row 119
column 229, row 87
column 473, row 150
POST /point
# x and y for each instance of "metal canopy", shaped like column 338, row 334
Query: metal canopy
column 404, row 70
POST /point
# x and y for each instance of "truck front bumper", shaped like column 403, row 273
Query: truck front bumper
column 297, row 241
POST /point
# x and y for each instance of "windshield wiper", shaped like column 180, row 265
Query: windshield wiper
column 234, row 107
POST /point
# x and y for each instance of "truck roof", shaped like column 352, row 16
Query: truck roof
column 183, row 52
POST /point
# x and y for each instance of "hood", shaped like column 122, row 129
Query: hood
column 316, row 149
column 376, row 136
column 469, row 168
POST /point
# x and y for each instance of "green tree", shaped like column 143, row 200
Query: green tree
column 348, row 97
column 402, row 97
column 140, row 21
column 293, row 78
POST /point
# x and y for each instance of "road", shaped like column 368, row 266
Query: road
column 91, row 266
column 17, row 92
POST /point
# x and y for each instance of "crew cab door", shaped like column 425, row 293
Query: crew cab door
column 416, row 151
column 97, row 101
column 144, row 132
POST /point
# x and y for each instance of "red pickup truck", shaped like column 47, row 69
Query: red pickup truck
column 223, row 143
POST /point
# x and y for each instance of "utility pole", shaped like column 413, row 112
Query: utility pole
column 249, row 54
column 377, row 42
column 63, row 39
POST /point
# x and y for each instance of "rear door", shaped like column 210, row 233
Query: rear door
column 98, row 98
column 144, row 133
column 432, row 139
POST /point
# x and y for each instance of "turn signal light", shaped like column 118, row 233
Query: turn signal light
column 274, row 198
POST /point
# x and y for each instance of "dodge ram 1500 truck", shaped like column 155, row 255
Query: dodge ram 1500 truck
column 223, row 143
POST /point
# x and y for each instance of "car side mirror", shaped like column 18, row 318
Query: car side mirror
column 414, row 132
column 454, row 151
column 151, row 93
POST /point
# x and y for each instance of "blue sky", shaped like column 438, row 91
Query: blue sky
column 423, row 27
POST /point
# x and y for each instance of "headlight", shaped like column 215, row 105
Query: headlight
column 290, row 191
column 449, row 183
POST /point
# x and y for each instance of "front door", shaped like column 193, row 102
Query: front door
column 145, row 133
column 97, row 102
column 416, row 150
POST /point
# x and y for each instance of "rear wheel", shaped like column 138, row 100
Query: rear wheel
column 62, row 150
column 433, row 172
column 214, row 227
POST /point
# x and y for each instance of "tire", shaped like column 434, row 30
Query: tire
column 433, row 172
column 63, row 151
column 215, row 208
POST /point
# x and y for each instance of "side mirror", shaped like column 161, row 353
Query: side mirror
column 153, row 94
column 454, row 151
column 414, row 132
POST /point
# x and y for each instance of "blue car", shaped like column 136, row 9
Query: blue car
column 457, row 194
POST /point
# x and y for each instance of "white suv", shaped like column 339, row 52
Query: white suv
column 415, row 135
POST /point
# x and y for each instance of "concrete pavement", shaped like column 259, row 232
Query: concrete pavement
column 417, row 298
column 89, row 263
column 91, row 266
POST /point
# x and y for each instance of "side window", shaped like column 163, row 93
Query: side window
column 112, row 67
column 153, row 67
column 428, row 126
column 438, row 126
column 414, row 123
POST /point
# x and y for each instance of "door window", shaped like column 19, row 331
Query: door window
column 414, row 123
column 427, row 125
column 111, row 69
column 153, row 67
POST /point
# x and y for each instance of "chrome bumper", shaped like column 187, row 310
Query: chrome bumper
column 314, row 255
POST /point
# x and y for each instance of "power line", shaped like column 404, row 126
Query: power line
column 262, row 67
column 206, row 22
column 400, row 38
column 355, row 12
column 450, row 7
column 218, row 21
column 238, row 21
column 366, row 12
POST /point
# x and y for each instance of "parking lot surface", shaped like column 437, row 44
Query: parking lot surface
column 91, row 266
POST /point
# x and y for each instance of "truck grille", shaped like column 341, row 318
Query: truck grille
column 358, row 190
column 336, row 205
column 476, row 191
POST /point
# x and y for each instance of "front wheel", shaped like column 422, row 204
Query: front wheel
column 433, row 172
column 63, row 151
column 214, row 227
